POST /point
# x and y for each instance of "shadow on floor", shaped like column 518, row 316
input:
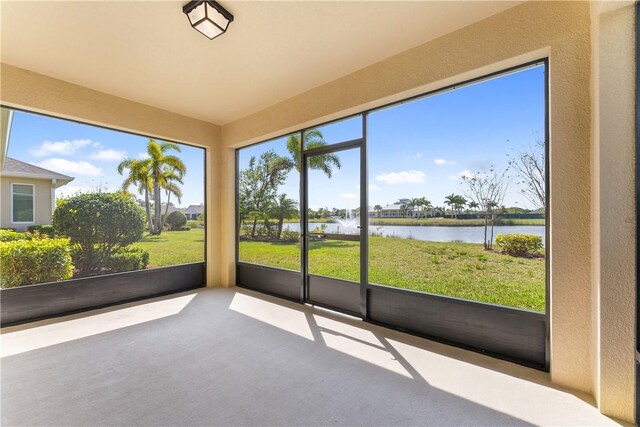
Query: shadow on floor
column 236, row 357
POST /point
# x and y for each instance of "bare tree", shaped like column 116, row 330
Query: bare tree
column 529, row 165
column 487, row 188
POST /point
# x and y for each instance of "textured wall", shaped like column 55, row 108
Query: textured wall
column 614, row 221
column 560, row 30
column 25, row 89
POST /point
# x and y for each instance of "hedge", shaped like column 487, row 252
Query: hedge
column 26, row 262
column 130, row 258
column 11, row 236
column 519, row 244
column 42, row 229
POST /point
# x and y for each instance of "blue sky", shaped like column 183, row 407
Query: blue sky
column 91, row 154
column 422, row 148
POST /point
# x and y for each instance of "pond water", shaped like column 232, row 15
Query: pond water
column 465, row 234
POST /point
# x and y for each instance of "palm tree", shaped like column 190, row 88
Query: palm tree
column 171, row 178
column 283, row 208
column 413, row 204
column 139, row 176
column 151, row 175
column 158, row 161
column 459, row 203
column 473, row 206
column 425, row 204
column 377, row 208
column 313, row 139
column 450, row 201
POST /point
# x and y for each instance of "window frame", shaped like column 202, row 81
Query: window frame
column 33, row 203
column 260, row 281
column 24, row 303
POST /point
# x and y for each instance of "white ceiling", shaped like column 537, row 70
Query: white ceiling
column 147, row 52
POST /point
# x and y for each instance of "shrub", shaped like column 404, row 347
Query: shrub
column 26, row 262
column 99, row 225
column 192, row 223
column 42, row 229
column 130, row 258
column 176, row 220
column 290, row 235
column 519, row 244
column 11, row 236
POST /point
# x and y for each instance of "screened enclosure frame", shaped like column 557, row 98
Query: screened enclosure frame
column 516, row 334
column 24, row 304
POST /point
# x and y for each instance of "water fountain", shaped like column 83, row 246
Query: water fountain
column 350, row 223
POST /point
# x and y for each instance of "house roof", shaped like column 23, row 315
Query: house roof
column 195, row 209
column 17, row 168
column 171, row 208
column 393, row 207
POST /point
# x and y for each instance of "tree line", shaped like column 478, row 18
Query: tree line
column 262, row 209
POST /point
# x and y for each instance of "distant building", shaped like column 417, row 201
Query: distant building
column 396, row 210
column 193, row 211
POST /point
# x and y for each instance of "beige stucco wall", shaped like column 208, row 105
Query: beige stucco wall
column 613, row 222
column 42, row 189
column 559, row 30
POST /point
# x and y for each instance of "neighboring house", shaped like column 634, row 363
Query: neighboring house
column 27, row 193
column 396, row 210
column 193, row 211
column 400, row 209
column 171, row 209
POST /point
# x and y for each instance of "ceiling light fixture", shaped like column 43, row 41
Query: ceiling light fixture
column 208, row 17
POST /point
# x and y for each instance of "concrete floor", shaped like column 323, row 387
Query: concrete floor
column 235, row 357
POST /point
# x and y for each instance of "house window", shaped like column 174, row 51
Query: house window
column 23, row 203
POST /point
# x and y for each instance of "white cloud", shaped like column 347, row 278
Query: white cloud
column 402, row 177
column 349, row 196
column 108, row 155
column 70, row 167
column 61, row 148
column 465, row 173
column 443, row 162
column 143, row 155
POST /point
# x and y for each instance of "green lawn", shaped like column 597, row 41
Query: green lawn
column 463, row 270
column 174, row 247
